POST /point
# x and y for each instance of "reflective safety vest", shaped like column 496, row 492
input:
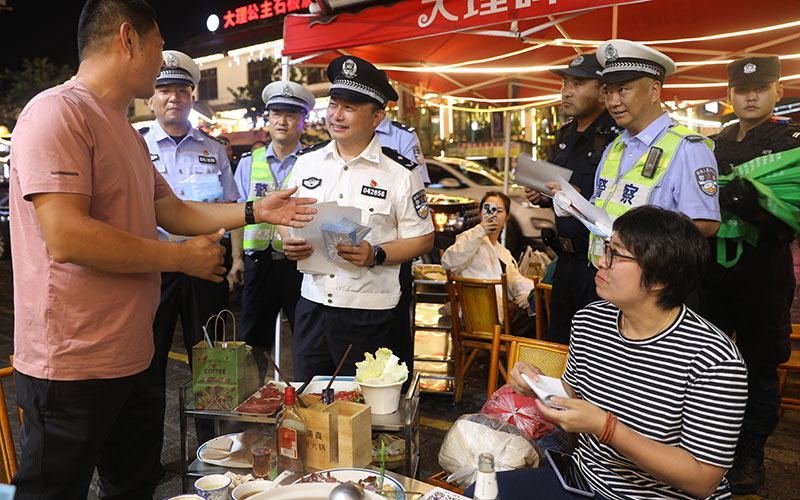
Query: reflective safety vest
column 262, row 183
column 617, row 196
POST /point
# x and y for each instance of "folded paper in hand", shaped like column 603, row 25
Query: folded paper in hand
column 547, row 387
column 344, row 232
column 536, row 173
column 569, row 201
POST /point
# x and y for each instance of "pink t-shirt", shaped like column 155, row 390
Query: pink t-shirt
column 72, row 322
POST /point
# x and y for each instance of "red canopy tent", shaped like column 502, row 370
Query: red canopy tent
column 501, row 49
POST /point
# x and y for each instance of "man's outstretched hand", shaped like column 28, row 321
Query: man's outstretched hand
column 280, row 208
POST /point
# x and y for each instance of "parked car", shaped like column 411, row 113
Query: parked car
column 460, row 177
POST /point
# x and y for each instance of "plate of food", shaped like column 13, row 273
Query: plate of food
column 231, row 450
column 344, row 388
column 311, row 491
column 265, row 401
column 367, row 478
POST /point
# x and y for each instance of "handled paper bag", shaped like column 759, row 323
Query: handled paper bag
column 218, row 370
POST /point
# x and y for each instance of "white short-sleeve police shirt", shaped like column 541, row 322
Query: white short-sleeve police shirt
column 392, row 202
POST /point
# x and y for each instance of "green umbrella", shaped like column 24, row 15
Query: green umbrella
column 776, row 177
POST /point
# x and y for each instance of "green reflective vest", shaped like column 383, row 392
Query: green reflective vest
column 262, row 182
column 617, row 196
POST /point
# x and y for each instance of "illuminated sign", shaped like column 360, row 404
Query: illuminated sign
column 264, row 10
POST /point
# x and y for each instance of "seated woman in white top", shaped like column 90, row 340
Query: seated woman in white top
column 478, row 254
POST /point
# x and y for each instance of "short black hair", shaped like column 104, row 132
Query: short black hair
column 498, row 194
column 668, row 248
column 101, row 19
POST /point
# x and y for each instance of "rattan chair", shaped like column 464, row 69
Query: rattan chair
column 541, row 297
column 791, row 366
column 550, row 357
column 477, row 302
column 8, row 455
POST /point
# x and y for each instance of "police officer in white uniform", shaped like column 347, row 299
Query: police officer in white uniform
column 196, row 166
column 336, row 310
column 271, row 281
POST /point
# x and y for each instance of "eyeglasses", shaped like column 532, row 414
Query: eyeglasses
column 610, row 253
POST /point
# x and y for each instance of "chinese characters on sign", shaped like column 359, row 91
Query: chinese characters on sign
column 263, row 10
column 475, row 8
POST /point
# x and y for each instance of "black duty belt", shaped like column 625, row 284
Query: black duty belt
column 572, row 244
column 269, row 254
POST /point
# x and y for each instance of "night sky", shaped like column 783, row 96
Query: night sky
column 48, row 28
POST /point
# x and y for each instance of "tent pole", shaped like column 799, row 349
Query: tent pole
column 285, row 67
column 507, row 134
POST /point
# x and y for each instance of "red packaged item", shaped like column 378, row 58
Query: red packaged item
column 519, row 411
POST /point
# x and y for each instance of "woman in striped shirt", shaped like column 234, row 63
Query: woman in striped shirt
column 657, row 392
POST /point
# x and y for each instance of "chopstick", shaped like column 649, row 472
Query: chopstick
column 283, row 377
column 341, row 362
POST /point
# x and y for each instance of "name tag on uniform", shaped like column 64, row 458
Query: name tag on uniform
column 374, row 192
column 207, row 159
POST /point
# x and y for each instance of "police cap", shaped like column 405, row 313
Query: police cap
column 623, row 60
column 180, row 68
column 754, row 70
column 583, row 66
column 288, row 96
column 357, row 80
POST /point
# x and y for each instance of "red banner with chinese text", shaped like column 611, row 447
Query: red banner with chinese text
column 419, row 18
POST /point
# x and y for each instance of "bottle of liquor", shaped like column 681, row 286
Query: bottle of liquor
column 291, row 436
column 486, row 482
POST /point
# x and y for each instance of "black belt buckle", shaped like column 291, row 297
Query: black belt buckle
column 276, row 255
column 566, row 244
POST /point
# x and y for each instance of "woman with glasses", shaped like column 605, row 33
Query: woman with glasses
column 656, row 392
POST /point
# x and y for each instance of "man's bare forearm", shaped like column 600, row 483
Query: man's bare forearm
column 405, row 249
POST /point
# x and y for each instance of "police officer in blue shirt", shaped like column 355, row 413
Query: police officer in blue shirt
column 196, row 166
column 654, row 161
column 403, row 139
column 579, row 146
column 271, row 281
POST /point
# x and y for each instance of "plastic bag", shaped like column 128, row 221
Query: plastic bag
column 344, row 232
column 519, row 411
column 203, row 187
column 474, row 434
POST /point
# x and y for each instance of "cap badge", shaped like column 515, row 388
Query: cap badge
column 286, row 91
column 749, row 68
column 171, row 60
column 349, row 68
column 577, row 61
column 611, row 53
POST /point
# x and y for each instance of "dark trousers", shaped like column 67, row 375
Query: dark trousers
column 754, row 299
column 573, row 289
column 323, row 334
column 72, row 426
column 401, row 342
column 269, row 286
column 531, row 483
column 194, row 300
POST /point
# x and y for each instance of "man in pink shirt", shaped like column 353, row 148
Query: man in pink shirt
column 86, row 202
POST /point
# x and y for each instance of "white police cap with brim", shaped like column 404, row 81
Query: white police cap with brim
column 180, row 69
column 288, row 95
column 624, row 60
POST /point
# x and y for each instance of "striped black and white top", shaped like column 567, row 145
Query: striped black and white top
column 685, row 387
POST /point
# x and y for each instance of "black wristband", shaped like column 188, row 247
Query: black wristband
column 249, row 218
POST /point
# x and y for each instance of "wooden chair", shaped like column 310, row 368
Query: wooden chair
column 8, row 456
column 477, row 302
column 550, row 357
column 541, row 297
column 791, row 366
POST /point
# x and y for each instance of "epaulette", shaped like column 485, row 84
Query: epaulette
column 694, row 138
column 206, row 134
column 246, row 154
column 402, row 160
column 403, row 126
column 313, row 147
column 783, row 120
column 144, row 130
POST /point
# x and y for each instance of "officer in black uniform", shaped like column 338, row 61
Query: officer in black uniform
column 754, row 297
column 580, row 145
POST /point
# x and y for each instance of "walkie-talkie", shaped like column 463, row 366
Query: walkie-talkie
column 651, row 163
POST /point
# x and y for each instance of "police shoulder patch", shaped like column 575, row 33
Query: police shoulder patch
column 397, row 157
column 706, row 178
column 403, row 126
column 420, row 203
column 313, row 147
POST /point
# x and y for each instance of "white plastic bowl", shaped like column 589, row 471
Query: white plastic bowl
column 249, row 487
column 383, row 399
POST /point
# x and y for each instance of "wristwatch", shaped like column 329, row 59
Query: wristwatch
column 379, row 257
column 249, row 218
